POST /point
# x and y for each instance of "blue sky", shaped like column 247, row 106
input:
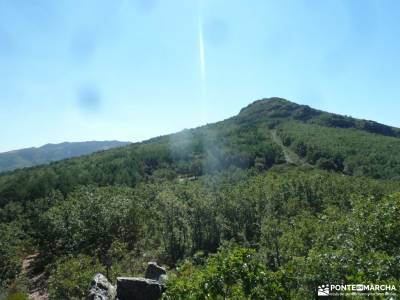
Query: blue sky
column 78, row 70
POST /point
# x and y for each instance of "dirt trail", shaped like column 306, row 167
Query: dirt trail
column 37, row 281
column 290, row 156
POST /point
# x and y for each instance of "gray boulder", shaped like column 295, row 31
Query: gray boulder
column 136, row 288
column 101, row 289
column 154, row 271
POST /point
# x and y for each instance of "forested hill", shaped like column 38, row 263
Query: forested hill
column 327, row 141
column 268, row 204
column 277, row 110
column 29, row 157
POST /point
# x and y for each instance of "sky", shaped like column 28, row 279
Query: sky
column 130, row 70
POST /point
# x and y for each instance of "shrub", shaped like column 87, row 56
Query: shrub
column 230, row 274
column 71, row 277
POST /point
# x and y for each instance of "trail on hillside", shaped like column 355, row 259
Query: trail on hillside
column 37, row 281
column 290, row 156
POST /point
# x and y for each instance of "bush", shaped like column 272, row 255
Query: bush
column 71, row 277
column 230, row 274
column 10, row 252
column 17, row 296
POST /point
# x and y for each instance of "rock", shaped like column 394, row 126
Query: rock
column 101, row 289
column 131, row 288
column 154, row 271
column 135, row 288
column 163, row 280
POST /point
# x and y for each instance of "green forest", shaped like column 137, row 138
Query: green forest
column 221, row 206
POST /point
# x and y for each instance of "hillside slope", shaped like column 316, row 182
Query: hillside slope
column 48, row 153
column 242, row 141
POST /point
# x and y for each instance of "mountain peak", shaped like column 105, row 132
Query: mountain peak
column 272, row 101
column 274, row 109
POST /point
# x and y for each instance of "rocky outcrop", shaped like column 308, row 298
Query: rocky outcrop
column 149, row 288
column 137, row 288
column 131, row 288
column 154, row 271
column 101, row 289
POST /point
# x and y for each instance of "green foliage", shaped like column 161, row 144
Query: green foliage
column 176, row 231
column 288, row 215
column 11, row 249
column 89, row 221
column 355, row 246
column 230, row 274
column 17, row 296
column 70, row 278
column 351, row 151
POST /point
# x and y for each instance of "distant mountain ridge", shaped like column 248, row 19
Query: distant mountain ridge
column 29, row 157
